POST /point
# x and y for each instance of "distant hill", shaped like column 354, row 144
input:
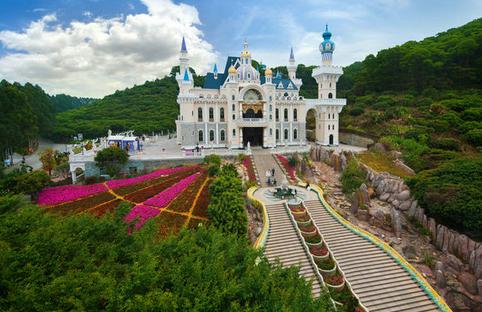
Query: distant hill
column 64, row 102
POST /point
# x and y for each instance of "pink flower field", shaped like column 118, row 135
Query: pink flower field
column 114, row 184
column 61, row 194
column 162, row 199
column 142, row 213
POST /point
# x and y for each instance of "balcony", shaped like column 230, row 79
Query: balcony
column 252, row 122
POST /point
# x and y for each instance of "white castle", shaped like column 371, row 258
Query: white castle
column 239, row 107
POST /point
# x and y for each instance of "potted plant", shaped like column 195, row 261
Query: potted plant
column 346, row 299
column 297, row 209
column 327, row 266
column 312, row 238
column 302, row 218
column 335, row 281
column 319, row 251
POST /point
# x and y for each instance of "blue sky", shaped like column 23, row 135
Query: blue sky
column 93, row 47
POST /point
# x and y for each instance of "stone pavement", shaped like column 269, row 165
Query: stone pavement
column 263, row 161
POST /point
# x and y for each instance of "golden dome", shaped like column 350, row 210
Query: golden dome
column 232, row 70
column 268, row 72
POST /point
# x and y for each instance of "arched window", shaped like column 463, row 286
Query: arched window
column 234, row 116
column 211, row 114
column 199, row 114
column 295, row 114
column 211, row 135
column 270, row 131
column 285, row 94
column 234, row 132
column 330, row 95
column 277, row 134
column 270, row 117
column 201, row 136
column 222, row 135
column 286, row 114
column 277, row 114
column 233, row 107
column 295, row 134
column 270, row 107
column 233, row 97
column 221, row 114
column 270, row 98
column 333, row 116
column 286, row 134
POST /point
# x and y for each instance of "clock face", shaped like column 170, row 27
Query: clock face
column 252, row 95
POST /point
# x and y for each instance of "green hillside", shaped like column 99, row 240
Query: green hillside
column 64, row 102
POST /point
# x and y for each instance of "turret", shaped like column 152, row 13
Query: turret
column 184, row 77
column 215, row 71
column 292, row 70
column 327, row 47
column 269, row 75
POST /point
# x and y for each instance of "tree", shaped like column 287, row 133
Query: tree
column 47, row 158
column 111, row 159
column 32, row 182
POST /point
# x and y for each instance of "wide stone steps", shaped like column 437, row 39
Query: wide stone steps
column 380, row 282
column 284, row 245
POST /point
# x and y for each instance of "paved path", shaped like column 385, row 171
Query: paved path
column 263, row 161
column 380, row 283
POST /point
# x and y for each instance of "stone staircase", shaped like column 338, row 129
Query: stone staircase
column 263, row 161
column 284, row 243
column 380, row 282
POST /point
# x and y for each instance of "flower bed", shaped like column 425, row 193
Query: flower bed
column 307, row 228
column 144, row 194
column 325, row 264
column 346, row 298
column 165, row 197
column 81, row 204
column 297, row 209
column 186, row 199
column 195, row 223
column 312, row 238
column 106, row 207
column 301, row 217
column 114, row 184
column 318, row 250
column 248, row 164
column 290, row 170
column 201, row 207
column 141, row 213
column 65, row 193
column 170, row 223
column 335, row 281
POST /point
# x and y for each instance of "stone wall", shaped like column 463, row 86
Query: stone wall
column 393, row 190
column 355, row 139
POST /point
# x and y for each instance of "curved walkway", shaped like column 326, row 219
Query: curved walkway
column 380, row 282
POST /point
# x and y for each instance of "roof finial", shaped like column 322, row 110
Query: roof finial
column 215, row 70
column 186, row 75
column 292, row 55
column 326, row 27
column 183, row 45
column 245, row 44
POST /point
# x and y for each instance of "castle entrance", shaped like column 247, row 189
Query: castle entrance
column 253, row 135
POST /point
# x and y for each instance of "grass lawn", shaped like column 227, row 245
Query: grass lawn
column 382, row 162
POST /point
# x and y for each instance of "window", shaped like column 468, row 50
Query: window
column 277, row 114
column 270, row 117
column 211, row 135
column 222, row 135
column 211, row 114
column 333, row 116
column 201, row 136
column 234, row 132
column 295, row 114
column 233, row 107
column 199, row 114
column 249, row 76
column 270, row 107
column 221, row 114
column 295, row 134
column 330, row 95
column 286, row 114
column 270, row 131
column 277, row 134
column 286, row 134
column 330, row 84
column 234, row 116
column 270, row 98
column 233, row 97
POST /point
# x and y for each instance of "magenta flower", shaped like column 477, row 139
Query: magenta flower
column 289, row 169
column 142, row 213
column 114, row 184
column 163, row 199
column 65, row 193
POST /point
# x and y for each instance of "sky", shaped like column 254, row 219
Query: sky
column 91, row 48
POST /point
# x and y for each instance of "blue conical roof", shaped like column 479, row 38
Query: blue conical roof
column 186, row 75
column 183, row 45
column 292, row 55
column 215, row 69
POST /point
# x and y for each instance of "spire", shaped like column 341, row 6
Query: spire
column 326, row 27
column 245, row 44
column 215, row 69
column 292, row 55
column 183, row 45
column 186, row 75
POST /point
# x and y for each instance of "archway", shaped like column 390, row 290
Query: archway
column 311, row 125
column 331, row 139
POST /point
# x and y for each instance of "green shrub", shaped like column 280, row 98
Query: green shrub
column 474, row 136
column 352, row 177
column 445, row 144
column 357, row 111
column 213, row 159
column 213, row 170
column 451, row 193
column 111, row 159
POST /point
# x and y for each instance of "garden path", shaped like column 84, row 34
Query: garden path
column 264, row 161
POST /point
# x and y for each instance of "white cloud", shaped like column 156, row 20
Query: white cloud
column 97, row 57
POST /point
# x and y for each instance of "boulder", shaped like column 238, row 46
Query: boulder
column 363, row 191
column 413, row 208
column 378, row 147
column 440, row 236
column 404, row 206
column 384, row 197
column 355, row 204
column 469, row 282
column 396, row 203
column 439, row 266
column 454, row 263
column 440, row 279
column 432, row 227
column 396, row 222
column 479, row 286
column 409, row 252
column 343, row 161
column 475, row 260
column 363, row 215
column 404, row 195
